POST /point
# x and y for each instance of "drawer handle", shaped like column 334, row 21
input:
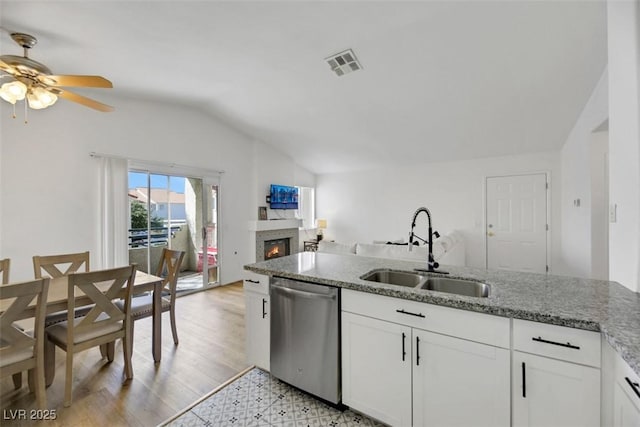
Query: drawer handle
column 568, row 344
column 524, row 380
column 410, row 313
column 404, row 351
column 634, row 386
column 257, row 282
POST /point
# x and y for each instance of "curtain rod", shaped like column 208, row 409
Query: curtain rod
column 151, row 162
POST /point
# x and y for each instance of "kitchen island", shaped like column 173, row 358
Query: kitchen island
column 538, row 350
column 594, row 305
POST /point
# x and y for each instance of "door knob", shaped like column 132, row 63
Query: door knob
column 490, row 233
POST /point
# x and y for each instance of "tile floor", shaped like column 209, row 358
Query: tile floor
column 258, row 399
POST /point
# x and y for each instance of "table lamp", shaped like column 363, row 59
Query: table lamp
column 321, row 224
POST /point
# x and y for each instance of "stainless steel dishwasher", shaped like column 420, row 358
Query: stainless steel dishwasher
column 305, row 337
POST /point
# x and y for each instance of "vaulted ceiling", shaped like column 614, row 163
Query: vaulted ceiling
column 441, row 80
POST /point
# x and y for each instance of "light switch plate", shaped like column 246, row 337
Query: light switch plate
column 613, row 213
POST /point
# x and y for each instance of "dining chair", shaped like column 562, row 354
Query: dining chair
column 20, row 350
column 60, row 265
column 5, row 267
column 55, row 266
column 4, row 270
column 102, row 325
column 168, row 268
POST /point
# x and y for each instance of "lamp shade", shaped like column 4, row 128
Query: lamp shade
column 322, row 223
column 13, row 91
column 39, row 98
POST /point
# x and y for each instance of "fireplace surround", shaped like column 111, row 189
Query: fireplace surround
column 263, row 231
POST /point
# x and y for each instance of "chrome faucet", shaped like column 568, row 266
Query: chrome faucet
column 432, row 265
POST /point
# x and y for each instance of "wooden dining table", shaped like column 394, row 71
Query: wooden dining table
column 57, row 300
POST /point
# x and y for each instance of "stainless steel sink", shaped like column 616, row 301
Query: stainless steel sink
column 392, row 277
column 456, row 286
column 431, row 283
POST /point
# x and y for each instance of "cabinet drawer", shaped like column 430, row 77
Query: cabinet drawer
column 256, row 282
column 479, row 327
column 559, row 342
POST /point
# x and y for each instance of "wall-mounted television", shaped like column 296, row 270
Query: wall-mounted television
column 283, row 197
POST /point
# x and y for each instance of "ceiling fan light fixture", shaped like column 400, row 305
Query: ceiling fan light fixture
column 39, row 98
column 13, row 91
column 36, row 82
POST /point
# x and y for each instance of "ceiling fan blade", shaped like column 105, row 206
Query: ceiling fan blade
column 83, row 100
column 7, row 68
column 76, row 81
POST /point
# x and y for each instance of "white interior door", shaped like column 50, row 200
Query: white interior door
column 517, row 226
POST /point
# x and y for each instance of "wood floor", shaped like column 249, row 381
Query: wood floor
column 211, row 329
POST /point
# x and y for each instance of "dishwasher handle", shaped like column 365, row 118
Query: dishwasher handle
column 304, row 294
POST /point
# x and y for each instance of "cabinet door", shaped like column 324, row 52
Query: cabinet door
column 376, row 368
column 626, row 397
column 626, row 406
column 458, row 382
column 549, row 392
column 257, row 329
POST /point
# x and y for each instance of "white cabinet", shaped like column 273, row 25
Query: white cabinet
column 626, row 403
column 548, row 391
column 458, row 382
column 376, row 371
column 257, row 319
column 626, row 395
column 398, row 372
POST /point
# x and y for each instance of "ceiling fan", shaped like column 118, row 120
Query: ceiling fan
column 35, row 82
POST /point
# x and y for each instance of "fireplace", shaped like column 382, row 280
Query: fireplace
column 265, row 233
column 276, row 248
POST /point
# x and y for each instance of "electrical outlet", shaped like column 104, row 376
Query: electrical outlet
column 613, row 213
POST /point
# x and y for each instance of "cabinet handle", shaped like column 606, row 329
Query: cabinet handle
column 404, row 351
column 264, row 312
column 524, row 381
column 417, row 351
column 410, row 313
column 568, row 344
column 257, row 282
column 634, row 386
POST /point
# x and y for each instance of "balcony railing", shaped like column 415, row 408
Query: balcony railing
column 155, row 236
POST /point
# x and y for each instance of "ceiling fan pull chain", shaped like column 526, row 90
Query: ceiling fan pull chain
column 25, row 111
column 14, row 111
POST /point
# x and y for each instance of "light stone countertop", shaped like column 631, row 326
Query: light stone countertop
column 595, row 305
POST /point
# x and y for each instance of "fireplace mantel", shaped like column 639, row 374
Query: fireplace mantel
column 274, row 224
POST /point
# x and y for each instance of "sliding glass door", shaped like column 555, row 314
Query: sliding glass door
column 179, row 213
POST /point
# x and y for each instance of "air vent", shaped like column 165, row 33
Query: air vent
column 344, row 62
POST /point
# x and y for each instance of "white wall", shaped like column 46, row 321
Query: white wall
column 49, row 183
column 623, row 20
column 576, row 183
column 379, row 204
column 600, row 205
column 271, row 167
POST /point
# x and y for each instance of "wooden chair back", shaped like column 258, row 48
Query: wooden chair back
column 16, row 344
column 102, row 287
column 4, row 270
column 60, row 265
column 169, row 269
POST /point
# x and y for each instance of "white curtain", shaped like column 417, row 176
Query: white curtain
column 114, row 212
